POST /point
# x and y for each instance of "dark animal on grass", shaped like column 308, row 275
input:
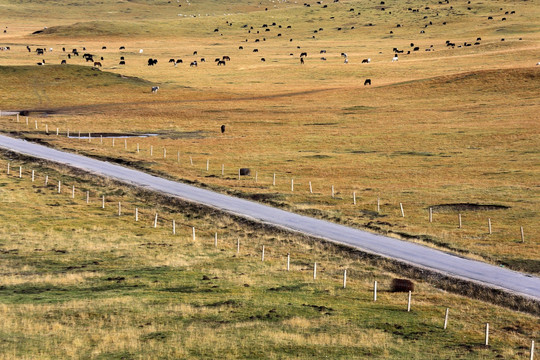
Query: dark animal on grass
column 222, row 129
column 122, row 47
column 179, row 61
column 193, row 63
column 367, row 82
column 303, row 54
column 226, row 58
column 245, row 171
column 401, row 285
column 301, row 61
column 263, row 59
column 97, row 64
column 221, row 62
column 63, row 62
column 255, row 50
column 155, row 89
column 195, row 53
column 172, row 61
column 152, row 62
column 39, row 51
column 203, row 60
column 366, row 61
column 122, row 62
column 122, row 58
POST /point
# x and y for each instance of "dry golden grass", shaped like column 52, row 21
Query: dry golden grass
column 80, row 281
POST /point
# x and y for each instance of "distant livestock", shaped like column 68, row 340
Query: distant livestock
column 395, row 58
column 155, row 89
column 367, row 82
column 366, row 61
column 152, row 62
column 63, row 62
column 303, row 54
column 193, row 63
column 122, row 62
column 222, row 129
column 97, row 64
column 221, row 62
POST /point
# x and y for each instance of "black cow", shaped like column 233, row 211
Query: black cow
column 193, row 63
column 222, row 129
column 179, row 61
column 122, row 62
column 303, row 54
column 221, row 62
column 172, row 61
column 152, row 62
column 226, row 58
column 367, row 82
column 64, row 62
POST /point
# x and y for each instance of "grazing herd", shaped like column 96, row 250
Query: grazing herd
column 99, row 61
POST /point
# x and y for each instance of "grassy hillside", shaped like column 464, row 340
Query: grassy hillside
column 81, row 281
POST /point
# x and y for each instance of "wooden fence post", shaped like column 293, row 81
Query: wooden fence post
column 274, row 181
column 445, row 319
column 409, row 302
column 73, row 191
column 103, row 202
column 354, row 197
column 193, row 233
column 173, row 227
column 314, row 271
column 345, row 278
column 532, row 350
column 459, row 220
column 87, row 197
column 136, row 214
column 292, row 185
column 164, row 152
column 262, row 255
column 151, row 150
column 32, row 175
column 288, row 261
column 522, row 234
column 57, row 131
column 178, row 156
column 20, row 172
column 46, row 180
column 222, row 169
column 430, row 215
column 375, row 291
column 119, row 208
column 215, row 240
column 310, row 188
column 489, row 226
column 238, row 246
column 8, row 168
column 138, row 148
column 155, row 220
column 332, row 191
column 487, row 334
column 401, row 207
column 207, row 164
column 59, row 186
column 378, row 205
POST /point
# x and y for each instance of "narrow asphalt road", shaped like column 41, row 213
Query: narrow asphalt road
column 410, row 253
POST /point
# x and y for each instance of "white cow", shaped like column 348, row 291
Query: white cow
column 395, row 58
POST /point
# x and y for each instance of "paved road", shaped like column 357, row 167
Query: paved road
column 407, row 252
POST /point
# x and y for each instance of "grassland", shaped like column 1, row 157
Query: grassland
column 80, row 281
column 448, row 129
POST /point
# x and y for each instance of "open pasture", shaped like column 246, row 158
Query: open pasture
column 452, row 125
column 79, row 280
